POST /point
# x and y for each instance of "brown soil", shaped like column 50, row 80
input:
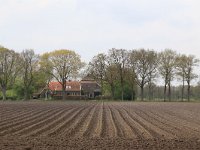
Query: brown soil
column 98, row 125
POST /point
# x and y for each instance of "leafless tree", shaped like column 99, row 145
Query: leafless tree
column 167, row 69
column 191, row 62
column 153, row 71
column 181, row 65
column 120, row 57
column 143, row 64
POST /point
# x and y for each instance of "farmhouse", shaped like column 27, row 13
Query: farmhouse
column 85, row 89
column 72, row 88
column 90, row 88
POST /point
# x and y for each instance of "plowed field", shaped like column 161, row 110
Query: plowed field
column 99, row 125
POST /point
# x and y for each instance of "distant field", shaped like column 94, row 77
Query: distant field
column 98, row 125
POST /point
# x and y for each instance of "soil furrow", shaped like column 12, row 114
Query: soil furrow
column 109, row 129
column 22, row 120
column 155, row 127
column 81, row 130
column 95, row 125
column 167, row 122
column 22, row 116
column 119, row 131
column 154, row 120
column 10, row 129
column 92, row 123
column 126, row 130
column 71, row 130
column 144, row 123
column 61, row 127
column 137, row 128
column 53, row 124
column 190, row 129
column 104, row 127
column 12, row 111
column 40, row 124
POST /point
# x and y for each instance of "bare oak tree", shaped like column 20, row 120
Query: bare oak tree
column 153, row 70
column 191, row 62
column 143, row 64
column 120, row 57
column 167, row 69
column 181, row 65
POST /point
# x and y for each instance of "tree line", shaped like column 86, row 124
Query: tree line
column 123, row 74
column 142, row 68
column 23, row 73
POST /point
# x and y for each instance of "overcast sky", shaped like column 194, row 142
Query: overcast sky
column 93, row 26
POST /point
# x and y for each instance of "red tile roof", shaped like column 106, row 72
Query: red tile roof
column 70, row 86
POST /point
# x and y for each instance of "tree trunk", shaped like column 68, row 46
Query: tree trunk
column 150, row 92
column 4, row 93
column 122, row 92
column 165, row 89
column 101, row 89
column 112, row 91
column 142, row 92
column 63, row 93
column 63, row 88
column 26, row 93
column 183, row 87
column 169, row 91
column 132, row 94
column 122, row 95
column 150, row 87
column 188, row 91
